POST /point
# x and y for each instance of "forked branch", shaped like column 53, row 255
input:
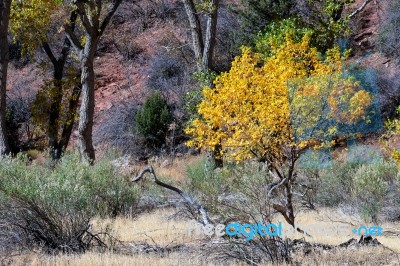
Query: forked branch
column 200, row 209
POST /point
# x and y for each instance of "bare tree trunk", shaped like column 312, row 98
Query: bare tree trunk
column 210, row 37
column 89, row 12
column 203, row 46
column 86, row 112
column 4, row 58
column 197, row 35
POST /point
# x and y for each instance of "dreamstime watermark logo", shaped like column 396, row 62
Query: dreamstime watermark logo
column 249, row 231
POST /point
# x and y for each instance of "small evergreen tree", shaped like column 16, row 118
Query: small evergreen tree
column 153, row 119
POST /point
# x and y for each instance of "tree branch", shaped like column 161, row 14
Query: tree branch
column 49, row 52
column 73, row 39
column 190, row 200
column 107, row 19
column 358, row 10
column 67, row 43
column 82, row 14
column 275, row 185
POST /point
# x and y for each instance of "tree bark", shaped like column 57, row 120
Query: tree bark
column 211, row 30
column 197, row 35
column 94, row 29
column 86, row 113
column 203, row 46
column 58, row 144
column 4, row 58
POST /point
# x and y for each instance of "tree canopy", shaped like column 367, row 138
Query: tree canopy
column 251, row 113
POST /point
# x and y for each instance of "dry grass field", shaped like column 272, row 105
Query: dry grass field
column 158, row 229
column 160, row 237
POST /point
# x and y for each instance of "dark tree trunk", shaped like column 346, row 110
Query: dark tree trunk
column 58, row 144
column 54, row 111
column 4, row 57
column 68, row 126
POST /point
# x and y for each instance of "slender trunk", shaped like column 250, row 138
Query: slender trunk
column 57, row 145
column 4, row 58
column 54, row 111
column 69, row 124
column 85, row 142
column 197, row 35
column 210, row 36
column 94, row 29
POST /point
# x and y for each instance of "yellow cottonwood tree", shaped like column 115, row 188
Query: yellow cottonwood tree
column 266, row 110
column 248, row 112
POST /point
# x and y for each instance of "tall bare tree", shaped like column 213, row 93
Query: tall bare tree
column 94, row 20
column 203, row 42
column 4, row 57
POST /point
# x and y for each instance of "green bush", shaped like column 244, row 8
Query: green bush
column 361, row 185
column 53, row 208
column 153, row 120
column 207, row 183
column 369, row 189
column 275, row 34
column 336, row 184
column 256, row 14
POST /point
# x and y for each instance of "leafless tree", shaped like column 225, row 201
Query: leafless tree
column 203, row 42
column 94, row 24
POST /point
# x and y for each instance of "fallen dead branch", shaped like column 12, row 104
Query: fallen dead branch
column 198, row 207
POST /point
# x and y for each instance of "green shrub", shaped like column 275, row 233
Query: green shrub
column 369, row 189
column 153, row 120
column 207, row 183
column 368, row 182
column 53, row 208
column 275, row 34
column 336, row 184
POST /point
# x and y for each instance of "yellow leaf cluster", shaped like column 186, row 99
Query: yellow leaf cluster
column 30, row 21
column 248, row 113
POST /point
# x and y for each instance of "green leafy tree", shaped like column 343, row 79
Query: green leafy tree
column 255, row 15
column 153, row 120
column 34, row 25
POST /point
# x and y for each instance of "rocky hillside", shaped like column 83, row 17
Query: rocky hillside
column 147, row 46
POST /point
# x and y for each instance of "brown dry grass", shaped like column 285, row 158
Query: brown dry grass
column 341, row 224
column 158, row 228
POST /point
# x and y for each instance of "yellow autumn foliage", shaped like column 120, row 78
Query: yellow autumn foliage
column 250, row 113
column 30, row 22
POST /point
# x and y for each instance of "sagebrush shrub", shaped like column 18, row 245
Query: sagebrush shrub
column 336, row 184
column 53, row 208
column 369, row 189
